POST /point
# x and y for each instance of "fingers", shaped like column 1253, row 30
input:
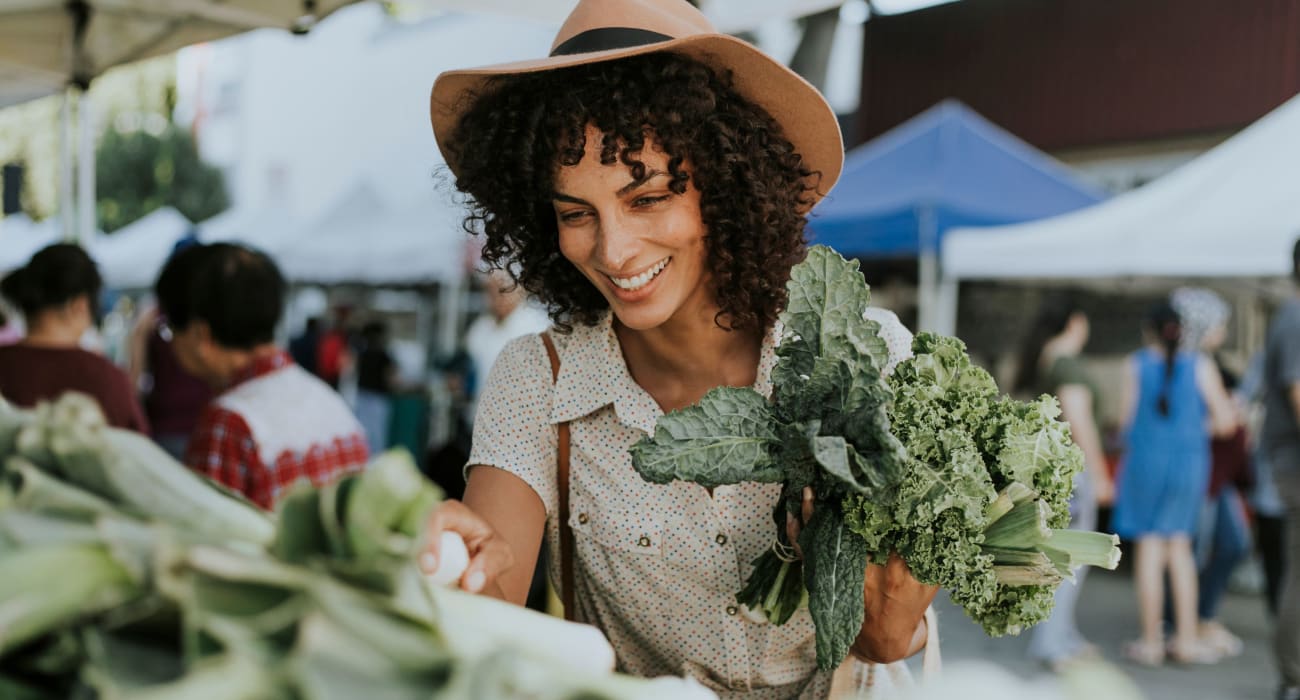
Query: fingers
column 490, row 561
column 489, row 555
column 792, row 530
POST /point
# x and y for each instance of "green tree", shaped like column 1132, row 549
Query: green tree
column 137, row 172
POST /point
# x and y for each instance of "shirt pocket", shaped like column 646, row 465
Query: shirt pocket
column 628, row 530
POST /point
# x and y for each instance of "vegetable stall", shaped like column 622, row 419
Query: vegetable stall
column 125, row 575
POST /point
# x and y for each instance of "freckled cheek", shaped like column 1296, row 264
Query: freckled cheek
column 576, row 247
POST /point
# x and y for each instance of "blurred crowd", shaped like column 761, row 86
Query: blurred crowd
column 1205, row 479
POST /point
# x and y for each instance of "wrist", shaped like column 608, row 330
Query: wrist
column 874, row 647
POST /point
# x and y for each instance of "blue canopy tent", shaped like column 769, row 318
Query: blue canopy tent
column 945, row 168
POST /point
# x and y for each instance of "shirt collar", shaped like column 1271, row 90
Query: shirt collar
column 593, row 374
column 261, row 365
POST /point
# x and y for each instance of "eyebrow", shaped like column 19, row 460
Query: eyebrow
column 629, row 187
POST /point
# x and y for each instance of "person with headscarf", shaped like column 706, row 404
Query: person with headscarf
column 1223, row 536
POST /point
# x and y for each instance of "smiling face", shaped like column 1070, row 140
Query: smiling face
column 639, row 242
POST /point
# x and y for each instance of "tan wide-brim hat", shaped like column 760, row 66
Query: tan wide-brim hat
column 607, row 30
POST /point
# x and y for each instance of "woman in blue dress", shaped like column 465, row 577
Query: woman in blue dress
column 1172, row 402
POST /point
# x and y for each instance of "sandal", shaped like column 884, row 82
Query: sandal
column 1196, row 653
column 1143, row 653
column 1214, row 635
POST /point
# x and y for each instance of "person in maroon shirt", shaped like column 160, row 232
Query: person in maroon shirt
column 56, row 292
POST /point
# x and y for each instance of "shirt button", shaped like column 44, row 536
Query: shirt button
column 732, row 610
column 582, row 518
column 644, row 541
column 720, row 539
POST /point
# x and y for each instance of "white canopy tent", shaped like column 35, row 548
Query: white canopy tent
column 1232, row 212
column 20, row 238
column 367, row 239
column 48, row 46
column 259, row 228
column 132, row 256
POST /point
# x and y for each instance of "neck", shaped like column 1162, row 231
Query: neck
column 687, row 356
column 54, row 332
column 232, row 363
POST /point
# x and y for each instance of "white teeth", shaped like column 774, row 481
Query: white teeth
column 632, row 284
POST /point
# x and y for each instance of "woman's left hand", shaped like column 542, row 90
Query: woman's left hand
column 893, row 628
column 895, row 601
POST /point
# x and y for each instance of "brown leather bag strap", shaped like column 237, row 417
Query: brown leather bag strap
column 562, row 484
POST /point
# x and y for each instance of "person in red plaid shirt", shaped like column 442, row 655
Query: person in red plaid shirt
column 272, row 423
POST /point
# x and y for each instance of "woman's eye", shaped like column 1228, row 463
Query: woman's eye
column 573, row 216
column 649, row 200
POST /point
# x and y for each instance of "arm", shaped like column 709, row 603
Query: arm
column 502, row 521
column 1076, row 407
column 138, row 356
column 1223, row 415
column 1128, row 397
column 503, row 516
column 1295, row 401
column 894, row 626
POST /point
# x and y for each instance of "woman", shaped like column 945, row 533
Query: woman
column 1223, row 534
column 1050, row 364
column 648, row 183
column 56, row 292
column 1168, row 395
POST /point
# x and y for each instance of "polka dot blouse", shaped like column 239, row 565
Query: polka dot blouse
column 656, row 567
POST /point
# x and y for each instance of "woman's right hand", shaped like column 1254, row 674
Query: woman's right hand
column 489, row 554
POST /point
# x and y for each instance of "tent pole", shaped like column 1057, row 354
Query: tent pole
column 86, row 172
column 946, row 316
column 66, row 201
column 928, row 272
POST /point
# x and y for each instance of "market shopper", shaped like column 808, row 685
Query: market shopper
column 1169, row 398
column 376, row 380
column 271, row 422
column 1050, row 364
column 507, row 316
column 1281, row 440
column 1222, row 538
column 648, row 183
column 57, row 291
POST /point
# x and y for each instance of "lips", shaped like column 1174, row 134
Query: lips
column 632, row 284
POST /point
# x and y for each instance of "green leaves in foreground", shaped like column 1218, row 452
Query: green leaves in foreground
column 834, row 565
column 726, row 438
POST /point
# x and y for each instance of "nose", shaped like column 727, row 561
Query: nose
column 618, row 242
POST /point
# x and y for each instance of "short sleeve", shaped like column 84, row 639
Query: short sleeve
column 1066, row 371
column 896, row 336
column 1288, row 348
column 512, row 426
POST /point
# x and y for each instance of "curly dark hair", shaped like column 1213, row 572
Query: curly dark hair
column 754, row 188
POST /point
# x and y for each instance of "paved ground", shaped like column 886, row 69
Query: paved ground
column 1108, row 617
